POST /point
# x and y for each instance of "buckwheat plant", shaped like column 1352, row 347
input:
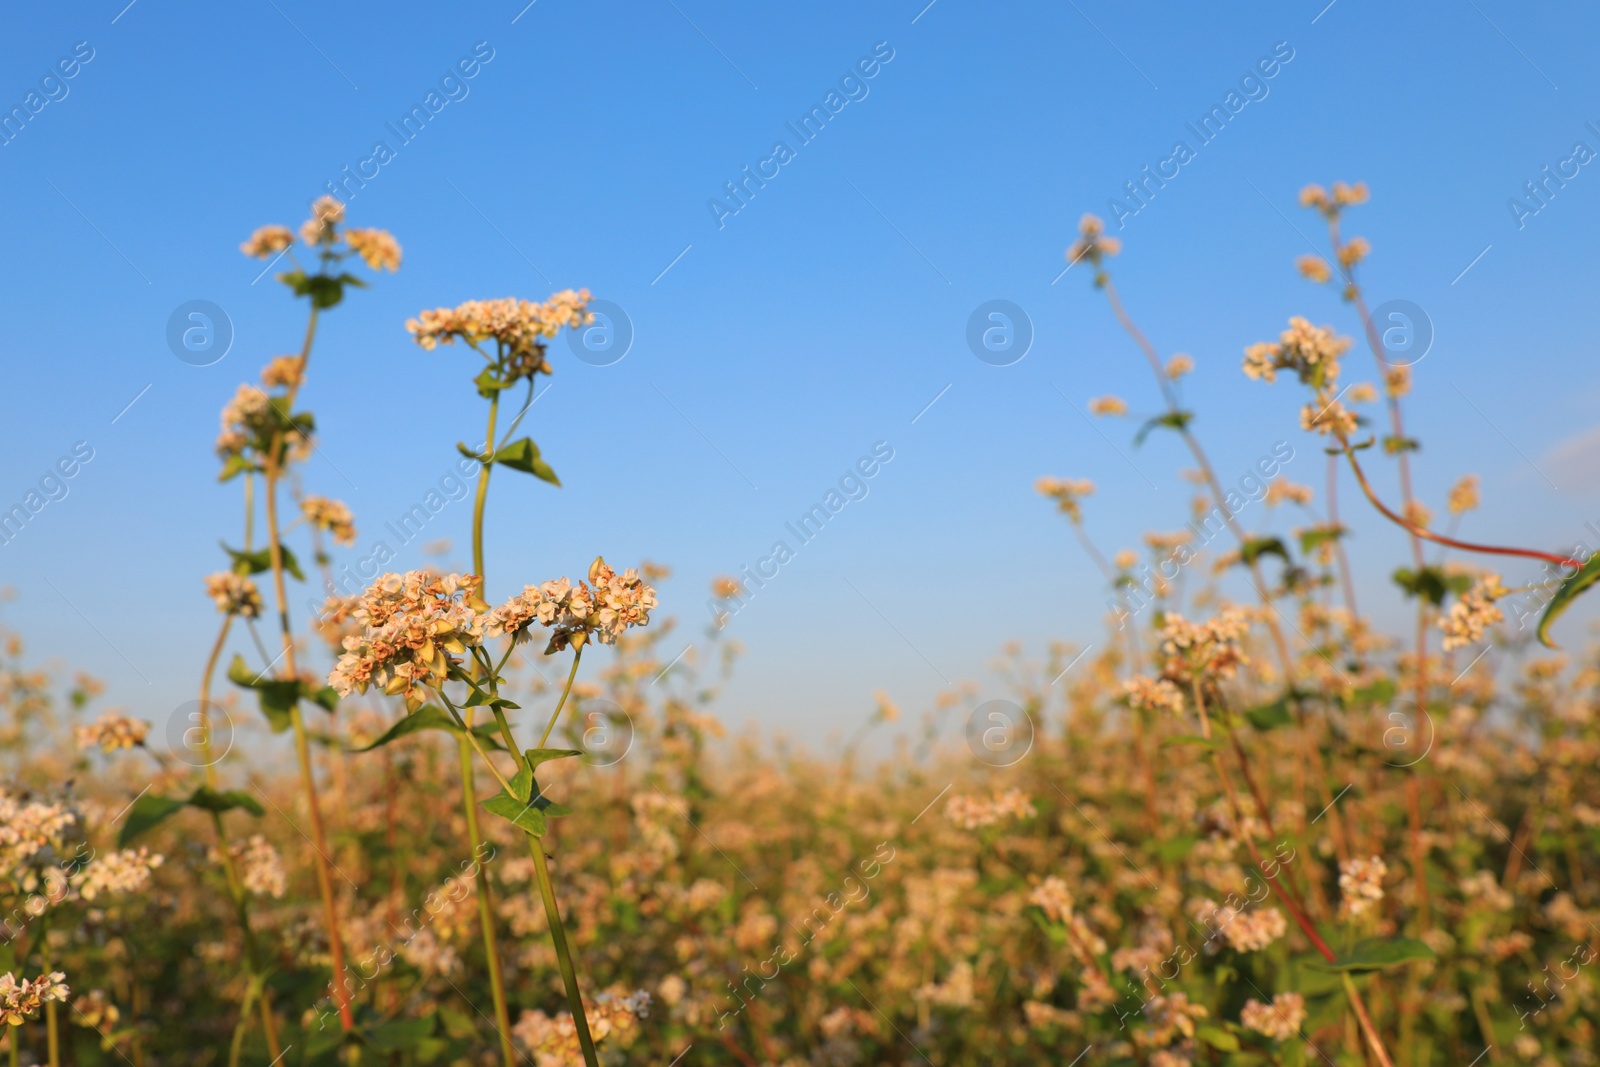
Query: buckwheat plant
column 425, row 634
column 264, row 436
column 1197, row 662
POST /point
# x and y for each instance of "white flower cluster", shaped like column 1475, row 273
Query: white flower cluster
column 577, row 612
column 263, row 872
column 521, row 327
column 1361, row 882
column 1472, row 613
column 113, row 731
column 1152, row 694
column 1204, row 650
column 970, row 813
column 21, row 1000
column 27, row 826
column 1280, row 1020
column 234, row 594
column 412, row 624
column 127, row 871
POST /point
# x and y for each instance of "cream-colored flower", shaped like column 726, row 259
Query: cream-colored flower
column 234, row 594
column 1152, row 695
column 1108, row 405
column 1315, row 268
column 1179, row 365
column 283, row 372
column 112, row 732
column 1092, row 244
column 267, row 242
column 377, row 248
column 1354, row 251
column 520, row 327
column 1330, row 418
column 413, row 626
column 1204, row 651
column 20, row 1001
column 1472, row 613
column 330, row 515
column 1067, row 493
column 1281, row 1020
column 322, row 227
column 576, row 613
column 1361, row 882
column 127, row 871
column 1281, row 490
column 1464, row 495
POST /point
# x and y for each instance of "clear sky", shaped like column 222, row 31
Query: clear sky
column 776, row 345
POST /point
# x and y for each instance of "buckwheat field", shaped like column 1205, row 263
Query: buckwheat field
column 1271, row 793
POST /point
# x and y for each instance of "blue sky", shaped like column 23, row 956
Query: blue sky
column 773, row 350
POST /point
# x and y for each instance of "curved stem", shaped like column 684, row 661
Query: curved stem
column 576, row 656
column 1164, row 381
column 569, row 974
column 1417, row 531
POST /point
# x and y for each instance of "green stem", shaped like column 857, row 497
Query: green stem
column 551, row 725
column 483, row 488
column 491, row 949
column 569, row 975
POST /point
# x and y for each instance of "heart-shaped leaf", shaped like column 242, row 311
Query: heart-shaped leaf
column 1379, row 954
column 1570, row 589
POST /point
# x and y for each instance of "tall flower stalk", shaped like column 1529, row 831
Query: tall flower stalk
column 423, row 633
column 517, row 330
column 264, row 434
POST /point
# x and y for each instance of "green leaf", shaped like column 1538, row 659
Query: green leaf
column 324, row 291
column 1217, row 1038
column 1570, row 589
column 470, row 453
column 145, row 814
column 523, row 455
column 1394, row 445
column 1253, row 549
column 1378, row 692
column 431, row 717
column 1191, row 739
column 537, row 756
column 1175, row 420
column 326, row 697
column 1174, row 849
column 520, row 813
column 277, row 696
column 1431, row 583
column 208, row 799
column 1378, row 954
column 399, row 1035
column 250, row 563
column 235, row 466
column 1316, row 536
column 1271, row 716
column 488, row 385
